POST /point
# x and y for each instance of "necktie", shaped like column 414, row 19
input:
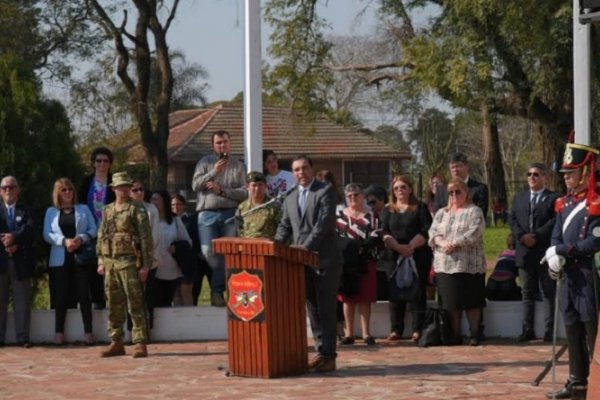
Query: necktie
column 302, row 201
column 534, row 199
column 11, row 219
column 531, row 207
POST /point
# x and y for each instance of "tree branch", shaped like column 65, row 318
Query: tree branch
column 123, row 54
column 362, row 67
column 171, row 16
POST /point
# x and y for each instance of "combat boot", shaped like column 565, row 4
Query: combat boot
column 115, row 348
column 140, row 351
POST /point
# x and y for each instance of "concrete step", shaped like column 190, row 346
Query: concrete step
column 501, row 319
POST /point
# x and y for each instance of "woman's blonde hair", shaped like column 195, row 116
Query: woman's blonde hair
column 458, row 184
column 59, row 185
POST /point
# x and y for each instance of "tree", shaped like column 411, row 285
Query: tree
column 101, row 105
column 152, row 122
column 36, row 144
column 432, row 138
column 500, row 58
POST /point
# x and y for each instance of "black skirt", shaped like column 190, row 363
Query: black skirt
column 461, row 291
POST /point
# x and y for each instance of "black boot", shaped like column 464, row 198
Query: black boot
column 565, row 393
column 579, row 392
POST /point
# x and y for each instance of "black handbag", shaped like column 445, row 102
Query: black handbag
column 438, row 330
column 86, row 254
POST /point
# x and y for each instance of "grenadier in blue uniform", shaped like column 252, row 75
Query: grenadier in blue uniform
column 575, row 240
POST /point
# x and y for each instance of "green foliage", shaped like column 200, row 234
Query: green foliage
column 298, row 43
column 494, row 242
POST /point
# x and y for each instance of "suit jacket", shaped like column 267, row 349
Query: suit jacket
column 85, row 228
column 478, row 191
column 85, row 189
column 543, row 222
column 316, row 228
column 25, row 229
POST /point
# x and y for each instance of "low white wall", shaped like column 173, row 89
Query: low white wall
column 501, row 319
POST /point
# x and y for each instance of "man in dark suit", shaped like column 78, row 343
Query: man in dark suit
column 309, row 218
column 531, row 221
column 17, row 260
column 459, row 169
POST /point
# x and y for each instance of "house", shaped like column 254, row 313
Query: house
column 351, row 155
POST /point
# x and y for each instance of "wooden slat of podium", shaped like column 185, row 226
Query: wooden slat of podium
column 277, row 346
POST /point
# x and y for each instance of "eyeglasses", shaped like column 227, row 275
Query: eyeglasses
column 401, row 187
column 102, row 160
column 135, row 190
column 65, row 190
column 8, row 187
column 534, row 174
column 454, row 192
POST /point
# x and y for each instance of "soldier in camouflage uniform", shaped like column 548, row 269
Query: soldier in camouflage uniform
column 263, row 222
column 124, row 256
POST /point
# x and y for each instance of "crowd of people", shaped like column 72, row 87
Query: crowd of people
column 112, row 244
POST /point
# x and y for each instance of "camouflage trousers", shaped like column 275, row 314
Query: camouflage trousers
column 125, row 292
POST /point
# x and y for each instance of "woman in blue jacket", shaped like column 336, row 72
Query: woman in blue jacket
column 67, row 227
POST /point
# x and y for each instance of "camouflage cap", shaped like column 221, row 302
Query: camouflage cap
column 255, row 176
column 121, row 179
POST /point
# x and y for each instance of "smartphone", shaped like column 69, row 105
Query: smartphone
column 223, row 156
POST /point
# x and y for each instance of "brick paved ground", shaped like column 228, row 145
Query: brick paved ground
column 495, row 370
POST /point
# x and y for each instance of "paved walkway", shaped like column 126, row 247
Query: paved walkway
column 496, row 370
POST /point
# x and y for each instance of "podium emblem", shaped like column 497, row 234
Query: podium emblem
column 245, row 295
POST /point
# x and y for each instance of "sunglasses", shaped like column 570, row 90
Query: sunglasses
column 8, row 187
column 534, row 174
column 65, row 190
column 135, row 190
column 454, row 192
column 102, row 160
column 371, row 203
column 401, row 187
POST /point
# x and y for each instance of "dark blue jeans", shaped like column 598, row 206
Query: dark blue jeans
column 211, row 225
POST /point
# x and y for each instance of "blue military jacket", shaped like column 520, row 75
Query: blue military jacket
column 576, row 236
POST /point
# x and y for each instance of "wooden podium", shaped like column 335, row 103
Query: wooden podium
column 266, row 321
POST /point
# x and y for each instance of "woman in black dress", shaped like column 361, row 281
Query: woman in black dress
column 405, row 225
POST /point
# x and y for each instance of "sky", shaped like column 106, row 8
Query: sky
column 211, row 33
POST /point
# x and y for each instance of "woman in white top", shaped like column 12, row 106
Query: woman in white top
column 171, row 230
column 279, row 182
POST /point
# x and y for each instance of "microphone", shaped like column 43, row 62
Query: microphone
column 279, row 198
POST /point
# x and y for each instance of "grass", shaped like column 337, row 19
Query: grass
column 494, row 241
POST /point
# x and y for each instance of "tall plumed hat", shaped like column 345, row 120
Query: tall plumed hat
column 580, row 156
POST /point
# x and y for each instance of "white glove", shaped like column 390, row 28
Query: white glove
column 550, row 252
column 555, row 263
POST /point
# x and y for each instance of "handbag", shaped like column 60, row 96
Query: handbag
column 404, row 282
column 437, row 329
column 86, row 254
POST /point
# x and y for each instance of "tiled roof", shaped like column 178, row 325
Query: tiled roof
column 283, row 133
